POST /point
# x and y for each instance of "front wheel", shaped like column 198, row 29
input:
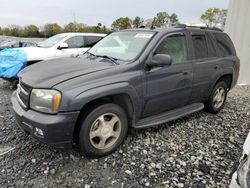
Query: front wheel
column 217, row 98
column 103, row 130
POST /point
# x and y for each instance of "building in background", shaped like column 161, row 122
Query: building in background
column 238, row 28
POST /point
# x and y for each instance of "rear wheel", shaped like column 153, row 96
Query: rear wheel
column 217, row 98
column 103, row 130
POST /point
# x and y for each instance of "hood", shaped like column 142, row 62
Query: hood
column 35, row 53
column 47, row 74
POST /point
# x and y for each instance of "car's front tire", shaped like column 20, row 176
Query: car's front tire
column 217, row 98
column 103, row 130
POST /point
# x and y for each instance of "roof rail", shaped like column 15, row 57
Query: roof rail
column 199, row 27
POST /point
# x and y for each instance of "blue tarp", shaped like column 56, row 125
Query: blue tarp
column 12, row 61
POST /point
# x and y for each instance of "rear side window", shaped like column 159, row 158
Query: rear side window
column 91, row 41
column 175, row 46
column 200, row 46
column 225, row 45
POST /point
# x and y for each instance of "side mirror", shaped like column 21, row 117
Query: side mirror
column 160, row 60
column 63, row 46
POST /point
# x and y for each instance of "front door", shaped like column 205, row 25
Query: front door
column 75, row 47
column 169, row 87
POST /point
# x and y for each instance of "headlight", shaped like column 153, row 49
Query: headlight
column 45, row 100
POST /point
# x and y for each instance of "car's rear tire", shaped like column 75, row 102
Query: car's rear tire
column 217, row 98
column 103, row 130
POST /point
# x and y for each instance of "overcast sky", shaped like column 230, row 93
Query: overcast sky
column 39, row 12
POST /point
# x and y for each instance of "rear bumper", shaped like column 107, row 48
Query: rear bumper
column 57, row 130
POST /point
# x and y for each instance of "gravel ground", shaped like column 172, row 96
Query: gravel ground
column 195, row 151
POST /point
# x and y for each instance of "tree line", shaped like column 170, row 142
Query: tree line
column 51, row 29
column 212, row 17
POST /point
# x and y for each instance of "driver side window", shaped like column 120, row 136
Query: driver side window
column 175, row 46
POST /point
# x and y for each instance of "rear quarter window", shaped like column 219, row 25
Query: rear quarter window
column 224, row 44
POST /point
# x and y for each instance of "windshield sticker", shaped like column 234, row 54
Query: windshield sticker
column 143, row 35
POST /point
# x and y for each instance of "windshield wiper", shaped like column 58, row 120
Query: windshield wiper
column 90, row 53
column 114, row 60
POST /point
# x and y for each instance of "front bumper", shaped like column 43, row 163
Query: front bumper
column 57, row 129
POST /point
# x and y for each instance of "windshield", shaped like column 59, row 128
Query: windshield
column 51, row 41
column 124, row 46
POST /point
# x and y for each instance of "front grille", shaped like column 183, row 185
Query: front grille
column 23, row 93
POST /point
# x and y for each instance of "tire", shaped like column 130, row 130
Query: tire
column 103, row 130
column 213, row 105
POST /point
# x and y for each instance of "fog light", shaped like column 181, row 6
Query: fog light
column 39, row 132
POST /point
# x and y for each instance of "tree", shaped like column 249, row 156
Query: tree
column 52, row 29
column 223, row 17
column 214, row 17
column 173, row 20
column 31, row 31
column 122, row 23
column 161, row 19
column 138, row 21
column 6, row 31
column 70, row 27
column 16, row 30
column 98, row 28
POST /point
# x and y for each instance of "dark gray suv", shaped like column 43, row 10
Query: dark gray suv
column 133, row 78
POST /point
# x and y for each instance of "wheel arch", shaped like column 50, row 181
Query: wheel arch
column 123, row 96
column 227, row 77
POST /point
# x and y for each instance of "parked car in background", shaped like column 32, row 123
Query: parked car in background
column 16, row 44
column 58, row 46
column 241, row 177
column 138, row 78
column 62, row 45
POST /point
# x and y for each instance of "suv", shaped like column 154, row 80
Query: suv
column 133, row 78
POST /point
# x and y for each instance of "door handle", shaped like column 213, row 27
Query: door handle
column 216, row 67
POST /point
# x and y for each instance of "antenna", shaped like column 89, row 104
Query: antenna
column 77, row 52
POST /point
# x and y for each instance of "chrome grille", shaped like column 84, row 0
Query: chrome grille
column 23, row 92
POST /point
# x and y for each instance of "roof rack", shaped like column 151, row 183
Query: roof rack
column 199, row 27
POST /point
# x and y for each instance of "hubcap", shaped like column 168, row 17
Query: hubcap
column 219, row 97
column 105, row 131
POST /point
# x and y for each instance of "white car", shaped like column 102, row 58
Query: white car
column 62, row 45
column 241, row 178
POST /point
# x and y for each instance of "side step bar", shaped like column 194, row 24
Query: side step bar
column 168, row 116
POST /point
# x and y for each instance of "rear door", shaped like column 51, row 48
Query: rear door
column 205, row 63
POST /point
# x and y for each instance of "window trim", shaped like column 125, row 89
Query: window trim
column 182, row 33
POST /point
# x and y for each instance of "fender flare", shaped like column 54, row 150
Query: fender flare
column 220, row 74
column 87, row 96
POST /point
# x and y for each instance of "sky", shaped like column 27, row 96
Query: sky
column 91, row 12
